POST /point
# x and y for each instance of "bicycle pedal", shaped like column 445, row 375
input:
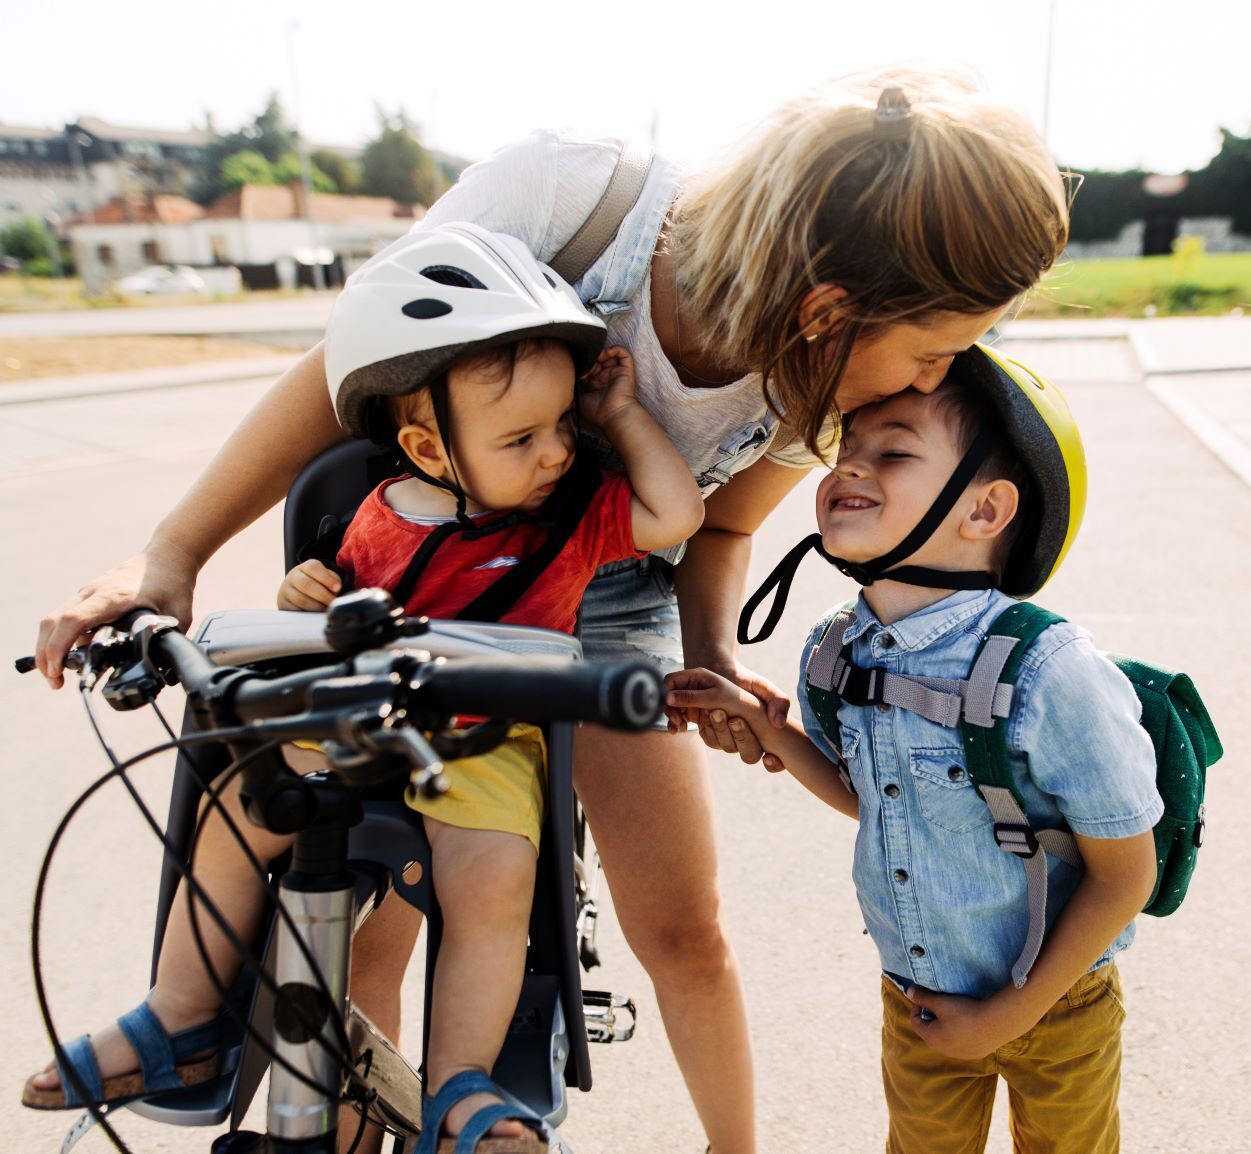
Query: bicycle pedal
column 81, row 1126
column 601, row 1009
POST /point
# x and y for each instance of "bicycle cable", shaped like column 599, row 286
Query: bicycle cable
column 196, row 894
column 101, row 1112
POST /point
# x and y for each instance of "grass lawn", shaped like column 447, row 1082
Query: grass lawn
column 1188, row 283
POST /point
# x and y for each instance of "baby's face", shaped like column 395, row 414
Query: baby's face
column 892, row 463
column 514, row 441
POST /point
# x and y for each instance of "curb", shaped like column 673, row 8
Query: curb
column 39, row 390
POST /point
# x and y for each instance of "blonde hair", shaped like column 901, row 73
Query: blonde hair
column 959, row 209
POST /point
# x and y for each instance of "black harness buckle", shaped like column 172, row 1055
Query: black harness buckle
column 861, row 686
column 1016, row 839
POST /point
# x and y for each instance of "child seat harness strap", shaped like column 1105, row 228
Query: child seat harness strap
column 561, row 517
column 980, row 706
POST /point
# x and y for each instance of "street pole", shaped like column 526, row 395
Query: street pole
column 1051, row 43
column 306, row 167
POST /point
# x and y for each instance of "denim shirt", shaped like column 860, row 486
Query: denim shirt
column 946, row 908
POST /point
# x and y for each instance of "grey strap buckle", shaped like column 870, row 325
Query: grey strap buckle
column 1016, row 839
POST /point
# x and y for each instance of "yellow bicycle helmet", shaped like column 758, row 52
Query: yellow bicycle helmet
column 1038, row 425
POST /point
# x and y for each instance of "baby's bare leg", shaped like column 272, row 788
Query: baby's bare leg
column 485, row 883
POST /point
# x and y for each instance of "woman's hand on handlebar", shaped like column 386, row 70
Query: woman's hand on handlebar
column 163, row 581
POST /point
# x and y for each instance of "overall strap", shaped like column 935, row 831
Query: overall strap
column 625, row 185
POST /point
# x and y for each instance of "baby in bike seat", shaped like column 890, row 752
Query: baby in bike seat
column 456, row 348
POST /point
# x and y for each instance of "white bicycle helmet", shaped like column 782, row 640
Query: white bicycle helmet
column 432, row 296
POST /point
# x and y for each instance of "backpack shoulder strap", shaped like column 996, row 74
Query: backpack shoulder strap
column 999, row 659
column 625, row 185
column 821, row 677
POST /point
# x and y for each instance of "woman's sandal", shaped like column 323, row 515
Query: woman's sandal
column 163, row 1064
column 475, row 1137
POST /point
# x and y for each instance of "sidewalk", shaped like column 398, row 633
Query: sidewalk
column 1199, row 368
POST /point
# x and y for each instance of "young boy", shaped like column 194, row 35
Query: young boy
column 481, row 399
column 946, row 908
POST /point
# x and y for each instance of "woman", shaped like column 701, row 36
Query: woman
column 860, row 237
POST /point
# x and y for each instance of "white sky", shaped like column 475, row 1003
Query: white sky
column 1135, row 82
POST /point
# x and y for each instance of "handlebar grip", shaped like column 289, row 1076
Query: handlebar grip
column 620, row 695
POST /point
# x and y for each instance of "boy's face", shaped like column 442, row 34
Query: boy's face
column 892, row 463
column 514, row 439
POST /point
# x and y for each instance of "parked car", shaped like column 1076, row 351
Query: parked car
column 162, row 279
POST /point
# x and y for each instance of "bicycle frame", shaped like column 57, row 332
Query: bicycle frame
column 537, row 1063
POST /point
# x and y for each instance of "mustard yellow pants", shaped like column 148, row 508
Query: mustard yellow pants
column 1063, row 1076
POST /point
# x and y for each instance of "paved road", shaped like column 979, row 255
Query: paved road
column 1162, row 568
column 307, row 312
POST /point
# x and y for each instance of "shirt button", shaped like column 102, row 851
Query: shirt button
column 891, row 790
column 917, row 951
column 955, row 773
column 901, row 876
column 888, row 642
column 883, row 707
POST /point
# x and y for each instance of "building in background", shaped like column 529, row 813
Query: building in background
column 54, row 175
column 265, row 231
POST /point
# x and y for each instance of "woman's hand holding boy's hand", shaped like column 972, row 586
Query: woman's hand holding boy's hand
column 310, row 586
column 607, row 387
column 729, row 716
column 725, row 727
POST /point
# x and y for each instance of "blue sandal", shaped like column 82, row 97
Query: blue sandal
column 475, row 1137
column 163, row 1064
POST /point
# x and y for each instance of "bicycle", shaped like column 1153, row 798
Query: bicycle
column 371, row 696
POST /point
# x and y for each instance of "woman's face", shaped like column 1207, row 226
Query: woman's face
column 906, row 355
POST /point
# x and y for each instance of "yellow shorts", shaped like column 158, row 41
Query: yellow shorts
column 502, row 790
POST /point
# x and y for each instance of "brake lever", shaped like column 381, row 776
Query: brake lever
column 426, row 777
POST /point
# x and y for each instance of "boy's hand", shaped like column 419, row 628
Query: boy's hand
column 961, row 1027
column 731, row 734
column 728, row 716
column 607, row 387
column 310, row 586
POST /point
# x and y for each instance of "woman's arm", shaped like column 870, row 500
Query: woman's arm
column 290, row 425
column 710, row 585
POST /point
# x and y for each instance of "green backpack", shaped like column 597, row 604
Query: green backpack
column 1173, row 715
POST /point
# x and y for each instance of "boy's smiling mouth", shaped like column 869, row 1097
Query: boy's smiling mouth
column 850, row 503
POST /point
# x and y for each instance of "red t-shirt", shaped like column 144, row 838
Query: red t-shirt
column 379, row 544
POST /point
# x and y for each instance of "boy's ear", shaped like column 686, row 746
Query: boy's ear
column 424, row 447
column 820, row 310
column 994, row 505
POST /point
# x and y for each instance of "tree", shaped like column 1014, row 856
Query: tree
column 268, row 135
column 1224, row 187
column 345, row 173
column 27, row 240
column 395, row 164
column 288, row 169
column 244, row 167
